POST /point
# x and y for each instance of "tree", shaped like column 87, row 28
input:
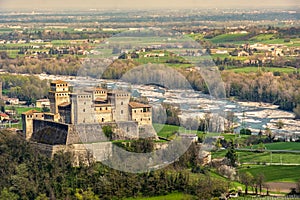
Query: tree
column 231, row 155
column 45, row 109
column 218, row 144
column 42, row 197
column 297, row 111
column 85, row 195
column 260, row 180
column 6, row 194
column 246, row 178
column 230, row 120
column 280, row 124
column 245, row 131
column 107, row 130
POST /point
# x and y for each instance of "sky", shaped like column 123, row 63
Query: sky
column 144, row 4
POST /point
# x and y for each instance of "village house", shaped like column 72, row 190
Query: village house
column 4, row 117
column 13, row 101
column 42, row 103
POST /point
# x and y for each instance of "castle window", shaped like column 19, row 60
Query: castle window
column 106, row 108
column 121, row 111
column 134, row 111
column 84, row 103
column 83, row 110
column 100, row 108
column 121, row 103
column 102, row 119
column 141, row 119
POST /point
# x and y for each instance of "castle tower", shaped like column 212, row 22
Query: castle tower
column 58, row 94
column 99, row 94
column 27, row 122
column 82, row 111
column 119, row 101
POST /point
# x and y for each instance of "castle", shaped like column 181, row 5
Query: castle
column 78, row 117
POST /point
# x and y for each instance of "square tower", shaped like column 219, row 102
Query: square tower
column 119, row 100
column 58, row 94
column 82, row 111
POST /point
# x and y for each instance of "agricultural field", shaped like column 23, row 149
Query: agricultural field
column 229, row 38
column 263, row 157
column 264, row 69
column 293, row 146
column 274, row 173
column 262, row 37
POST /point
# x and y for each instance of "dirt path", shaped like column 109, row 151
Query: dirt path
column 281, row 186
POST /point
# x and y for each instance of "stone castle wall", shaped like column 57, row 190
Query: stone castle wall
column 50, row 132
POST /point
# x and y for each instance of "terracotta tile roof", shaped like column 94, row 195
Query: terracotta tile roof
column 65, row 104
column 3, row 115
column 30, row 112
column 99, row 88
column 138, row 105
column 59, row 82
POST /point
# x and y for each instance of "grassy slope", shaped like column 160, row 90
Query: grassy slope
column 275, row 173
column 166, row 131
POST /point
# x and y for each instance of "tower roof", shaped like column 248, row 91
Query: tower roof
column 30, row 112
column 138, row 105
column 59, row 82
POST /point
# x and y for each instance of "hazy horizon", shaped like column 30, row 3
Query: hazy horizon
column 142, row 4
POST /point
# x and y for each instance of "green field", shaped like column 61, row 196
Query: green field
column 167, row 131
column 281, row 146
column 274, row 173
column 174, row 196
column 265, row 69
column 262, row 157
column 262, row 37
column 229, row 38
column 20, row 110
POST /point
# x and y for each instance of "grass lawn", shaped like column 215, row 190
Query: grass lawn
column 274, row 173
column 264, row 69
column 20, row 110
column 173, row 196
column 281, row 146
